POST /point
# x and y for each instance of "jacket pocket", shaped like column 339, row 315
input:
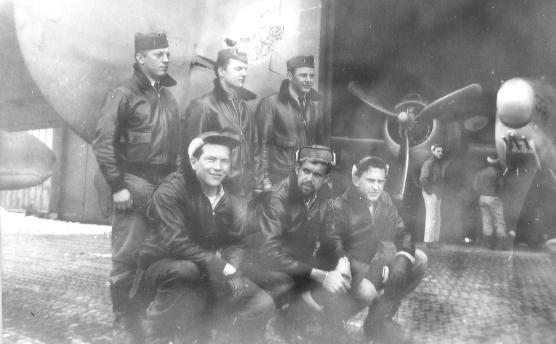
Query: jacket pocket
column 138, row 146
column 282, row 158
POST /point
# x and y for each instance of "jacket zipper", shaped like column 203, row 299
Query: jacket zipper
column 241, row 134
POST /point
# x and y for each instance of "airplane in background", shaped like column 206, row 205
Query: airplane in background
column 64, row 56
column 406, row 134
column 413, row 126
column 74, row 52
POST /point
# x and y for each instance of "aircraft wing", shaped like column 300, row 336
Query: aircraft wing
column 22, row 106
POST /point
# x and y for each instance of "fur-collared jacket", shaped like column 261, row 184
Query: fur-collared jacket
column 138, row 126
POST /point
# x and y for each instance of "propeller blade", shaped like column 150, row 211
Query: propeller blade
column 441, row 107
column 404, row 149
column 369, row 100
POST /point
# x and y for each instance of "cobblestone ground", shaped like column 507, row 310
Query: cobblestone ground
column 54, row 290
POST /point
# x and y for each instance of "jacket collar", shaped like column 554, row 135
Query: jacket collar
column 284, row 94
column 143, row 82
column 242, row 93
column 353, row 196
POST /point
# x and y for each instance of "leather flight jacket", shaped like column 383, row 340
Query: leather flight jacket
column 185, row 226
column 282, row 232
column 138, row 128
column 359, row 235
column 284, row 127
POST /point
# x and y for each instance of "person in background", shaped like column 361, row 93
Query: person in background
column 290, row 119
column 487, row 183
column 135, row 146
column 432, row 183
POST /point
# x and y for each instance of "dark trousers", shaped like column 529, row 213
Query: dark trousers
column 185, row 303
column 129, row 229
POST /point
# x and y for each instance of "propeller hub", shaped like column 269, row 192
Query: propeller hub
column 404, row 117
column 515, row 103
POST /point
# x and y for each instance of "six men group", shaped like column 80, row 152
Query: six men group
column 245, row 228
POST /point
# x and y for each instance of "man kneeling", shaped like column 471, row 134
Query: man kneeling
column 284, row 227
column 384, row 264
column 190, row 256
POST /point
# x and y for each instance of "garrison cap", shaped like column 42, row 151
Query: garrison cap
column 301, row 61
column 230, row 53
column 211, row 137
column 149, row 41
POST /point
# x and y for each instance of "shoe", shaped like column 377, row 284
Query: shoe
column 379, row 326
column 388, row 332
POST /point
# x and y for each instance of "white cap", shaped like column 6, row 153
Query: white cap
column 210, row 137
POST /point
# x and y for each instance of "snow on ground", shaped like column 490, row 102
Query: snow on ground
column 13, row 222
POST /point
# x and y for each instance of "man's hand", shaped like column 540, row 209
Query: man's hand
column 366, row 291
column 343, row 267
column 229, row 270
column 399, row 272
column 122, row 200
column 335, row 283
column 267, row 185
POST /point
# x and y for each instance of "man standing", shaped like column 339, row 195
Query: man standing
column 288, row 120
column 135, row 146
column 368, row 230
column 284, row 226
column 190, row 256
column 487, row 184
column 432, row 183
column 225, row 109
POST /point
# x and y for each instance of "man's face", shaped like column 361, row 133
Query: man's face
column 302, row 79
column 371, row 183
column 213, row 165
column 234, row 74
column 154, row 62
column 438, row 152
column 310, row 177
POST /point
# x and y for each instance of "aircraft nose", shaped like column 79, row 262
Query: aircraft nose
column 26, row 161
column 515, row 103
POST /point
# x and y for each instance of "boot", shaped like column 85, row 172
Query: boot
column 379, row 326
column 297, row 322
column 126, row 327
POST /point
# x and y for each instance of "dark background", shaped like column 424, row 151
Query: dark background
column 400, row 47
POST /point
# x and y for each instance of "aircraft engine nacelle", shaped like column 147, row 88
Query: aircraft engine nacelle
column 26, row 161
column 526, row 123
column 422, row 135
column 525, row 136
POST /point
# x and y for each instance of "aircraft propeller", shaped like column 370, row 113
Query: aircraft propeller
column 440, row 108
